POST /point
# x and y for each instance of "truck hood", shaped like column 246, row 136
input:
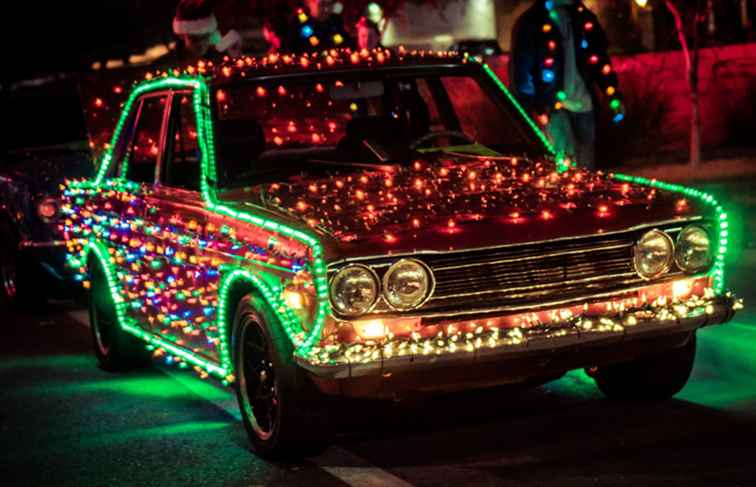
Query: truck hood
column 460, row 202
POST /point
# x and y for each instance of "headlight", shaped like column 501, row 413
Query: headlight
column 354, row 290
column 47, row 209
column 653, row 254
column 407, row 284
column 693, row 249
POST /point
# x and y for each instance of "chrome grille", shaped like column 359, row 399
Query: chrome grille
column 526, row 276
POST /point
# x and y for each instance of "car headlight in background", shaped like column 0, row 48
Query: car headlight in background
column 354, row 290
column 654, row 253
column 693, row 249
column 407, row 284
column 47, row 208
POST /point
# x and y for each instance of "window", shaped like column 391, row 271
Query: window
column 288, row 126
column 479, row 119
column 182, row 167
column 145, row 149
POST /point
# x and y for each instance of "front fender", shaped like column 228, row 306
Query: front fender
column 231, row 279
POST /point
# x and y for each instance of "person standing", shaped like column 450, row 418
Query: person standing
column 196, row 28
column 559, row 63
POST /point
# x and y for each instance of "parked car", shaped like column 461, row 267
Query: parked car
column 44, row 145
column 32, row 248
column 374, row 225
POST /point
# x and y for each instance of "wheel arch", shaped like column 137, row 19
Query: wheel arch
column 97, row 255
column 236, row 284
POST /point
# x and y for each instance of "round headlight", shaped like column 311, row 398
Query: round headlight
column 48, row 208
column 693, row 249
column 653, row 254
column 407, row 284
column 354, row 290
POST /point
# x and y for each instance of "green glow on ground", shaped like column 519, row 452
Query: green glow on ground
column 724, row 375
column 163, row 432
column 149, row 387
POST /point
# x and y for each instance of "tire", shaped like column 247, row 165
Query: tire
column 651, row 378
column 282, row 412
column 115, row 349
column 15, row 273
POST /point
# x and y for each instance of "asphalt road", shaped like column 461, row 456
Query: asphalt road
column 65, row 422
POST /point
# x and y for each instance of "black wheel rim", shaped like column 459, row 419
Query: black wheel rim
column 258, row 381
column 8, row 273
column 103, row 320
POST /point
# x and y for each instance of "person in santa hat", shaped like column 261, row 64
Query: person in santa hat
column 199, row 38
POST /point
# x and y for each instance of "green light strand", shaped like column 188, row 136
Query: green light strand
column 142, row 88
column 201, row 103
column 718, row 268
column 275, row 303
column 562, row 162
column 107, row 265
column 209, row 165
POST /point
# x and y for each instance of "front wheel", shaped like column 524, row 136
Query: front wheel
column 651, row 378
column 114, row 348
column 281, row 412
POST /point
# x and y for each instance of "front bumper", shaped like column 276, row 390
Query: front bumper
column 584, row 340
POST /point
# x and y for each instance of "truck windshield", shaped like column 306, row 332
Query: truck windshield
column 306, row 124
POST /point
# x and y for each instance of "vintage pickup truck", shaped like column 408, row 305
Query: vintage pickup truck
column 379, row 224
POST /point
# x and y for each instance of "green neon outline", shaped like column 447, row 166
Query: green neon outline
column 561, row 162
column 201, row 103
column 126, row 324
column 140, row 89
column 276, row 304
column 717, row 270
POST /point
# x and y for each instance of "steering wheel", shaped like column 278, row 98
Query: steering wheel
column 452, row 134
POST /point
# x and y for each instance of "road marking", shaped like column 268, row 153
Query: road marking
column 338, row 462
column 354, row 470
column 80, row 316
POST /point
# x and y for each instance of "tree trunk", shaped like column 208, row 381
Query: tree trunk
column 695, row 112
column 691, row 71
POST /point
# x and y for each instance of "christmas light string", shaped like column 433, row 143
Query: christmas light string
column 108, row 233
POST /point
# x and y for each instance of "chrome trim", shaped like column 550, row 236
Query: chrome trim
column 538, row 306
column 431, row 288
column 670, row 259
column 545, row 255
column 536, row 286
column 378, row 294
column 25, row 244
column 415, row 253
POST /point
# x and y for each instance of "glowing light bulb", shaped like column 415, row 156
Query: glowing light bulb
column 370, row 329
column 682, row 288
column 293, row 299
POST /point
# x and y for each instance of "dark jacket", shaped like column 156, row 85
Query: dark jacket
column 537, row 64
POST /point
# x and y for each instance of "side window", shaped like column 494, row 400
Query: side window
column 145, row 150
column 182, row 166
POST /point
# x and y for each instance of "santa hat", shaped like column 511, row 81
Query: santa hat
column 195, row 17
